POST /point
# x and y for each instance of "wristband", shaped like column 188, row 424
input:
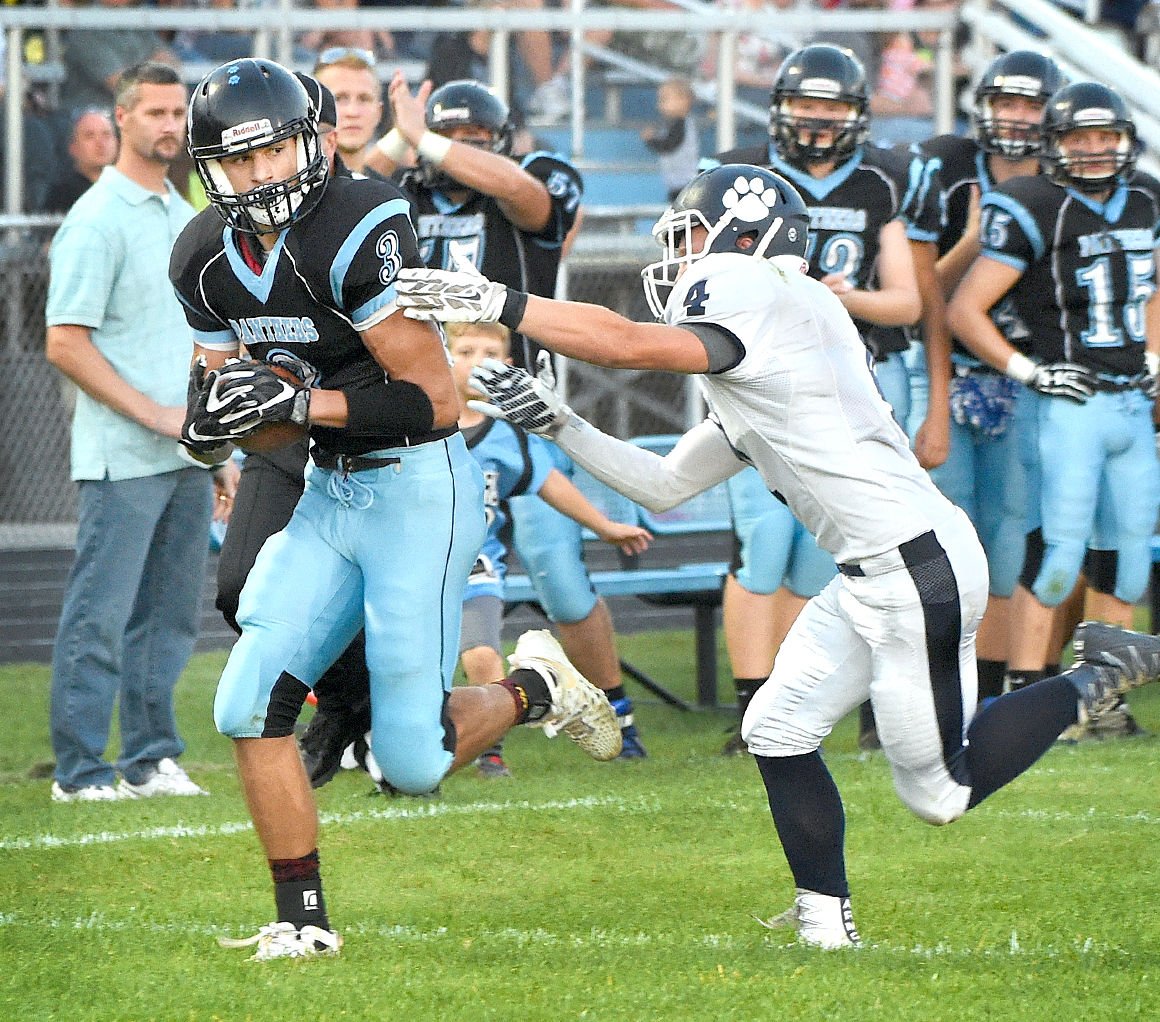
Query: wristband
column 1152, row 363
column 433, row 148
column 1020, row 367
column 515, row 304
column 393, row 146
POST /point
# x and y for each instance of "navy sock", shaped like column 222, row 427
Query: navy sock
column 1015, row 730
column 298, row 891
column 991, row 678
column 746, row 688
column 807, row 812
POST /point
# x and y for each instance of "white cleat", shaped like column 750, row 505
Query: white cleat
column 579, row 709
column 821, row 920
column 167, row 779
column 282, row 940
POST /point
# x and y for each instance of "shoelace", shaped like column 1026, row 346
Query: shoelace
column 350, row 492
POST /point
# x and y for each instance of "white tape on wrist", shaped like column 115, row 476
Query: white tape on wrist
column 433, row 148
column 1152, row 362
column 1020, row 367
column 393, row 146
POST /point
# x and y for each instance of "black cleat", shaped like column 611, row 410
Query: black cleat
column 1123, row 660
column 329, row 732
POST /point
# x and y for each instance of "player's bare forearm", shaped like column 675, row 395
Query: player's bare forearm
column 973, row 327
column 598, row 335
column 560, row 492
column 900, row 306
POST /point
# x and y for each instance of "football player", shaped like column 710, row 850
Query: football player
column 786, row 377
column 479, row 207
column 1072, row 252
column 862, row 202
column 983, row 473
column 392, row 517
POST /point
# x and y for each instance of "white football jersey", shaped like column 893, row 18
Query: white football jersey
column 802, row 405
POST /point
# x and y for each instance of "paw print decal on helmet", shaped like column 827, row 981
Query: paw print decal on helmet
column 749, row 200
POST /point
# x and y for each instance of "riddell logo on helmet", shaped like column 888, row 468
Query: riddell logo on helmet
column 822, row 86
column 240, row 133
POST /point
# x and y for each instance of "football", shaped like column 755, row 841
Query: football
column 272, row 435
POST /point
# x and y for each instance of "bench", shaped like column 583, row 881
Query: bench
column 689, row 583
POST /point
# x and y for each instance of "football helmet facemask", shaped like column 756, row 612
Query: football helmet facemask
column 460, row 103
column 820, row 71
column 743, row 209
column 1018, row 73
column 244, row 105
column 1088, row 105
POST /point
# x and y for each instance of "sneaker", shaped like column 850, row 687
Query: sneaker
column 167, row 779
column 328, row 735
column 735, row 745
column 821, row 920
column 283, row 940
column 91, row 793
column 631, row 745
column 492, row 766
column 578, row 708
column 1124, row 660
column 551, row 101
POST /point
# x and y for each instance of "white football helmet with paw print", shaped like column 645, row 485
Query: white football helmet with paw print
column 743, row 209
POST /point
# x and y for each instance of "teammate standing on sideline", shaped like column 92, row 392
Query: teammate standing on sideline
column 474, row 205
column 983, row 473
column 305, row 268
column 785, row 372
column 862, row 202
column 132, row 605
column 349, row 74
column 1073, row 252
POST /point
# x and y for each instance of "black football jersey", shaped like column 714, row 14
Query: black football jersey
column 477, row 232
column 848, row 209
column 1088, row 267
column 330, row 274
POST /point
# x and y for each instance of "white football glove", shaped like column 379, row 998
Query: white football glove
column 449, row 296
column 1063, row 379
column 530, row 402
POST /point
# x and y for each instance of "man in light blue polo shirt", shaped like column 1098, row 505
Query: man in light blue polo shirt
column 115, row 329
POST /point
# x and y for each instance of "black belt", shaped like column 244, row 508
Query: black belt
column 914, row 551
column 347, row 463
column 1115, row 386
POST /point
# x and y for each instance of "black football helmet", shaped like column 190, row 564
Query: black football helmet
column 819, row 71
column 747, row 210
column 1018, row 73
column 1088, row 105
column 247, row 104
column 463, row 102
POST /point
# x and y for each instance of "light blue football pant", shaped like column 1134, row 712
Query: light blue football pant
column 773, row 547
column 551, row 548
column 1103, row 447
column 392, row 547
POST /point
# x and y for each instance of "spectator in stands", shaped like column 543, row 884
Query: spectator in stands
column 379, row 43
column 39, row 146
column 92, row 147
column 94, row 60
column 677, row 141
column 210, row 47
column 131, row 609
column 758, row 56
column 349, row 73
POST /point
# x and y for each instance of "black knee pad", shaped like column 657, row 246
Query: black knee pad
column 1099, row 567
column 1032, row 559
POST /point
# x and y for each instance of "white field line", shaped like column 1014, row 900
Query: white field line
column 423, row 810
column 418, row 810
column 592, row 940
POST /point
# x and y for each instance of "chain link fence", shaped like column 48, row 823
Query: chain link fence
column 37, row 498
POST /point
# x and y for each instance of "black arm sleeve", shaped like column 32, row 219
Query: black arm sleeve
column 723, row 347
column 672, row 138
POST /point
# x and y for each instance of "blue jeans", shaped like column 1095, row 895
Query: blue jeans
column 129, row 622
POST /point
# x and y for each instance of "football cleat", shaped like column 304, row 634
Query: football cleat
column 1123, row 660
column 821, row 920
column 167, row 779
column 578, row 708
column 631, row 745
column 492, row 766
column 284, row 940
column 735, row 744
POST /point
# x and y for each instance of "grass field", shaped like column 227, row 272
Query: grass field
column 579, row 890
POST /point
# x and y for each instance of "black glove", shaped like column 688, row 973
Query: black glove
column 202, row 433
column 1063, row 379
column 250, row 394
